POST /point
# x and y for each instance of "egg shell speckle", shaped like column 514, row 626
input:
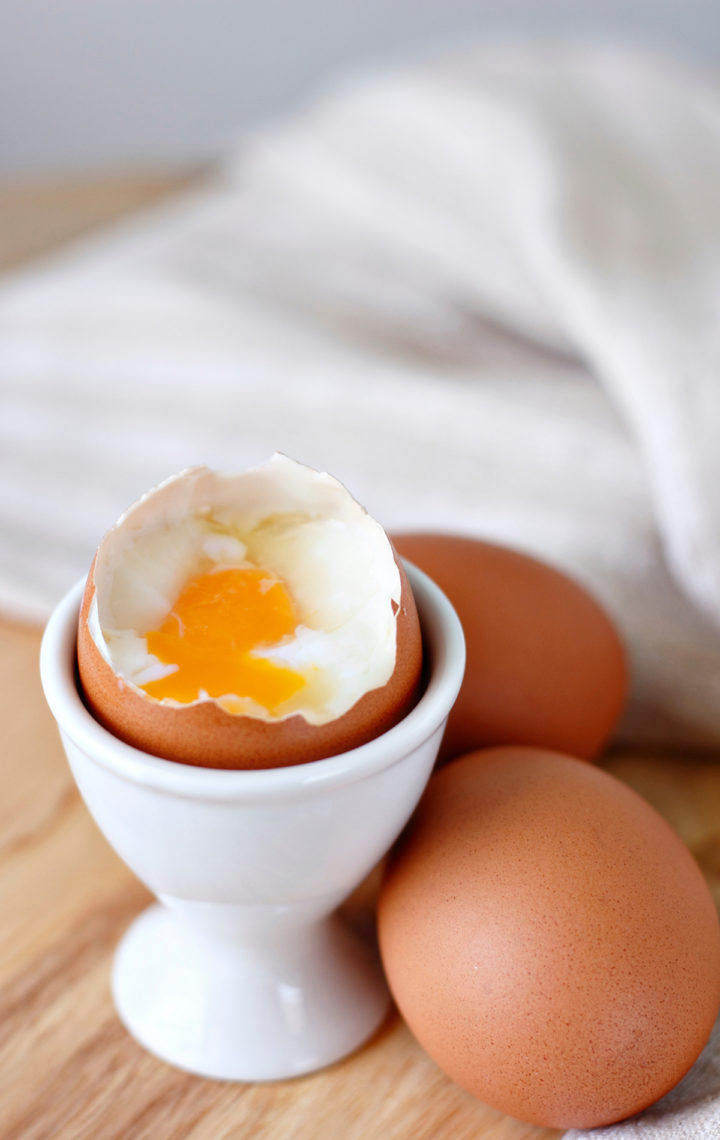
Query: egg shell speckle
column 549, row 939
column 545, row 664
column 205, row 735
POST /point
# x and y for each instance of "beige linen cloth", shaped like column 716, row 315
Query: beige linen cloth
column 483, row 291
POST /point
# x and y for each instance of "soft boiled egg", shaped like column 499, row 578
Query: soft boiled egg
column 248, row 621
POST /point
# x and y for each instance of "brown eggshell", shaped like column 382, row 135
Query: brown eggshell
column 549, row 939
column 206, row 735
column 545, row 665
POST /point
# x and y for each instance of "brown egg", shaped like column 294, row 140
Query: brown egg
column 549, row 939
column 250, row 621
column 545, row 665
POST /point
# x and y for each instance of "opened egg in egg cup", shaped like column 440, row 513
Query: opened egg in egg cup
column 251, row 808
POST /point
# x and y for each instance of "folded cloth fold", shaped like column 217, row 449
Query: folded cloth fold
column 571, row 195
column 483, row 291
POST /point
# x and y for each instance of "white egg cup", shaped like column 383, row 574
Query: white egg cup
column 245, row 971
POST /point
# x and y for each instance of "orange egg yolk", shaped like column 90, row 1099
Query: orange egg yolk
column 211, row 631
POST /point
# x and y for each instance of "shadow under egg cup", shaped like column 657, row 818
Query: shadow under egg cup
column 244, row 970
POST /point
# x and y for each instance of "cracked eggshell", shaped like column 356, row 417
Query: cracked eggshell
column 203, row 732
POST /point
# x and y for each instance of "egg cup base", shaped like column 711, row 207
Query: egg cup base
column 225, row 1014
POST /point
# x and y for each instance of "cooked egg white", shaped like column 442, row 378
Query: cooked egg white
column 271, row 593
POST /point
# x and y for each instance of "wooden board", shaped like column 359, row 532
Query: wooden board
column 67, row 1067
column 37, row 218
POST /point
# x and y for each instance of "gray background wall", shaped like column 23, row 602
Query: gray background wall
column 107, row 84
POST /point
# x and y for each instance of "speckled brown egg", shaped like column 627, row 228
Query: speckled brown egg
column 255, row 620
column 549, row 939
column 545, row 664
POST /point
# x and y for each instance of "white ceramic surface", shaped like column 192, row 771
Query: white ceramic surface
column 245, row 972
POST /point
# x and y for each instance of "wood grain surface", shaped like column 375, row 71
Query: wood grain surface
column 38, row 217
column 67, row 1067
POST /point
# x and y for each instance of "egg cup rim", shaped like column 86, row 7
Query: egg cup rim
column 439, row 624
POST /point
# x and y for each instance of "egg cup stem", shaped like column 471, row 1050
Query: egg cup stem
column 256, row 1014
column 244, row 970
